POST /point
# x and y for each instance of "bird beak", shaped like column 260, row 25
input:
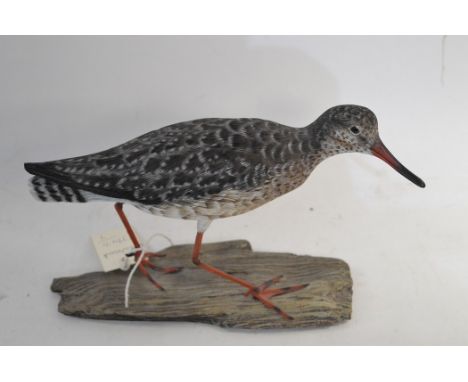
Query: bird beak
column 380, row 151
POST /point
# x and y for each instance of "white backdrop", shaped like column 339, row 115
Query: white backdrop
column 407, row 247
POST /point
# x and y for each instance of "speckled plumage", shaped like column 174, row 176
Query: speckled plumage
column 206, row 168
column 213, row 167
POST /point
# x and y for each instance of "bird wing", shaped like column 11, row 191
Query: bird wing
column 188, row 160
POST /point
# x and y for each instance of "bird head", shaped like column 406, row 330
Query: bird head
column 354, row 129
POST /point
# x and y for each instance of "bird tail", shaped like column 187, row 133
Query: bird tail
column 47, row 186
column 47, row 190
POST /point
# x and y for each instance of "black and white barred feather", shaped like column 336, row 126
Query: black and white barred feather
column 48, row 191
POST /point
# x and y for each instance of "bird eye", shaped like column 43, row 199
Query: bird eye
column 355, row 130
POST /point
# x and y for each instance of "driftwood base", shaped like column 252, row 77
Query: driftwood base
column 198, row 296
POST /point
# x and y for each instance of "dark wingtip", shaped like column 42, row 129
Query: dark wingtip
column 32, row 168
column 39, row 168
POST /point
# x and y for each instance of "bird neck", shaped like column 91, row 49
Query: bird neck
column 320, row 148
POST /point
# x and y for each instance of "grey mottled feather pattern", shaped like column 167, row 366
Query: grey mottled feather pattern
column 188, row 160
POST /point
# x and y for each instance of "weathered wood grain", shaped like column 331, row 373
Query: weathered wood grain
column 197, row 296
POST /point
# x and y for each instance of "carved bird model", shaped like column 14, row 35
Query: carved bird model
column 211, row 168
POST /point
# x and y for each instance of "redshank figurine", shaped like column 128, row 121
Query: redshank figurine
column 211, row 168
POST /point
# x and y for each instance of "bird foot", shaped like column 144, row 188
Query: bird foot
column 146, row 263
column 263, row 293
column 150, row 255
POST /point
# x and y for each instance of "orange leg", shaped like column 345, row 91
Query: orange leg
column 145, row 262
column 260, row 293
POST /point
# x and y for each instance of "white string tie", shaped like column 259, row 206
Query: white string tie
column 144, row 249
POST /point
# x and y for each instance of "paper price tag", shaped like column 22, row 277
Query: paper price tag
column 112, row 248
